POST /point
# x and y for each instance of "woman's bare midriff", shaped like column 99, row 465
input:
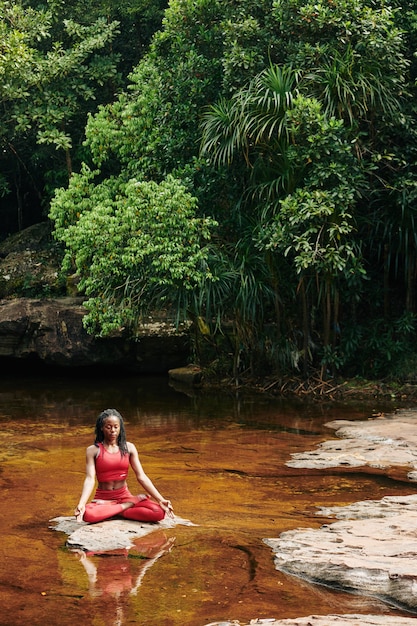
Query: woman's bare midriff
column 112, row 485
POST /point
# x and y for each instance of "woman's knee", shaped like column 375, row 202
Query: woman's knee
column 99, row 512
column 145, row 514
column 90, row 517
column 155, row 510
column 159, row 514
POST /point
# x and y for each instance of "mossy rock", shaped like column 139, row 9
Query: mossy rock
column 30, row 264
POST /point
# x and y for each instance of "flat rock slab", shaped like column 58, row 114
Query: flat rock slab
column 190, row 375
column 114, row 534
column 328, row 620
column 374, row 554
column 372, row 550
column 389, row 506
column 382, row 444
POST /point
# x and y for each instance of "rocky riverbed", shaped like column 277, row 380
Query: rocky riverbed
column 371, row 547
column 372, row 551
column 328, row 620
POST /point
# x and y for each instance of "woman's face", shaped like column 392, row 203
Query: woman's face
column 111, row 428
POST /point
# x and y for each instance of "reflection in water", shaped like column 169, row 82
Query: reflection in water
column 223, row 459
column 119, row 574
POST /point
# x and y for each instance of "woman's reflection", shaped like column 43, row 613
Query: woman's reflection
column 121, row 573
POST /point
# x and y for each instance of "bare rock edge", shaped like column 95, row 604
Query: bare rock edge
column 113, row 534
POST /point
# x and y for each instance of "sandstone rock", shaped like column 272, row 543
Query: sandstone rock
column 389, row 506
column 383, row 444
column 328, row 620
column 45, row 326
column 375, row 557
column 114, row 534
column 30, row 263
column 189, row 375
column 373, row 549
column 51, row 332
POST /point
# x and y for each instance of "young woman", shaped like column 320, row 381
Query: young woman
column 108, row 460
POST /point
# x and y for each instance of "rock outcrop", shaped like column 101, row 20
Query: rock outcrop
column 373, row 553
column 189, row 376
column 385, row 445
column 30, row 264
column 113, row 534
column 327, row 620
column 51, row 332
column 372, row 550
column 41, row 319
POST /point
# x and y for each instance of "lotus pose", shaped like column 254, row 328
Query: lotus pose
column 108, row 460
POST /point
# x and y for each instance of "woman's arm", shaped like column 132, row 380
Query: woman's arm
column 89, row 482
column 146, row 482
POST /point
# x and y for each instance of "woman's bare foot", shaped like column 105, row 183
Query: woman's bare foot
column 127, row 505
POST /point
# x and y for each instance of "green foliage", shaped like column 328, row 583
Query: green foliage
column 314, row 224
column 58, row 62
column 65, row 78
column 375, row 350
column 122, row 136
column 50, row 76
column 149, row 248
column 252, row 121
column 190, row 24
column 304, row 179
column 307, row 163
column 152, row 128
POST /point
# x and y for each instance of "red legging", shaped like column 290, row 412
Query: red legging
column 110, row 504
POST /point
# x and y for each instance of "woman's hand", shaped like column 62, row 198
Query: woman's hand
column 167, row 506
column 79, row 512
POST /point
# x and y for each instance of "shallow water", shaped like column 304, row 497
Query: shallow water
column 220, row 459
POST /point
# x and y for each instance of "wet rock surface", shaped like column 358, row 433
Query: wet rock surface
column 374, row 554
column 327, row 620
column 372, row 550
column 385, row 444
column 114, row 534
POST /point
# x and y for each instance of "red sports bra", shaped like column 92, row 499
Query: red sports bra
column 110, row 467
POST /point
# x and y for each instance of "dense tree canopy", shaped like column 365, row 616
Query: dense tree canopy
column 57, row 64
column 255, row 174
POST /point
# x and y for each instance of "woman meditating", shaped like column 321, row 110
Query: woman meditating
column 108, row 460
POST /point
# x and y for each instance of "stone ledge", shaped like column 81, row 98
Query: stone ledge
column 51, row 332
column 385, row 445
column 328, row 620
column 376, row 557
column 114, row 534
column 190, row 375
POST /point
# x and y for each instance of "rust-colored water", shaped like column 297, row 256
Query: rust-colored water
column 221, row 460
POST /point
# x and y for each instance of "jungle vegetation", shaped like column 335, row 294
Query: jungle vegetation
column 249, row 167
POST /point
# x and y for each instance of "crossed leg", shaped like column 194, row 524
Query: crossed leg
column 102, row 510
column 145, row 511
column 141, row 511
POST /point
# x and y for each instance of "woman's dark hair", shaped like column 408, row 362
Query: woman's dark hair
column 121, row 440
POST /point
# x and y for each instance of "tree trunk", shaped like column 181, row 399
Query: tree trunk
column 336, row 327
column 306, row 326
column 410, row 286
column 386, row 282
column 69, row 162
column 327, row 315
